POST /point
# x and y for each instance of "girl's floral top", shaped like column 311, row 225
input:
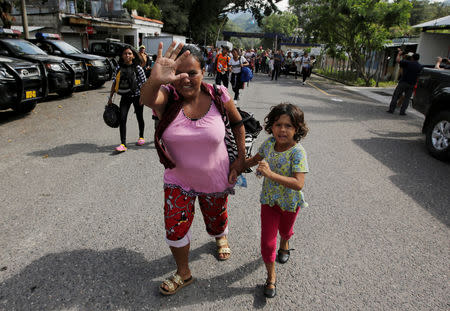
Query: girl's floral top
column 285, row 163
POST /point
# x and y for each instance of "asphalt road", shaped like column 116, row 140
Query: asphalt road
column 81, row 228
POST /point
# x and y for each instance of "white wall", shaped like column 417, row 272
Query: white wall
column 432, row 45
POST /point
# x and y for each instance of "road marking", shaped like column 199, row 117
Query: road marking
column 336, row 99
column 319, row 89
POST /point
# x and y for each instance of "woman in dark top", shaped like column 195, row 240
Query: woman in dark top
column 128, row 79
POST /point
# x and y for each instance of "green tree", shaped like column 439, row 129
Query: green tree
column 356, row 27
column 144, row 8
column 245, row 43
column 195, row 18
column 424, row 11
column 284, row 23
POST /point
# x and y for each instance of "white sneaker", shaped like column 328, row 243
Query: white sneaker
column 304, row 83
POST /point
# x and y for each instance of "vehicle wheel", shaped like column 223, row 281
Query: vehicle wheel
column 24, row 107
column 438, row 136
column 65, row 93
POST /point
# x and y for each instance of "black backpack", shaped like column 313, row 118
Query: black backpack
column 127, row 80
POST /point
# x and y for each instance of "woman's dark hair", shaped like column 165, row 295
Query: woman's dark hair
column 137, row 58
column 195, row 52
column 295, row 114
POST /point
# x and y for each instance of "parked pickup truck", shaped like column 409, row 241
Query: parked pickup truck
column 110, row 48
column 99, row 69
column 432, row 98
column 22, row 84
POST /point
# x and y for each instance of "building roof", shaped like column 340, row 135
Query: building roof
column 436, row 23
column 30, row 28
column 79, row 19
column 147, row 19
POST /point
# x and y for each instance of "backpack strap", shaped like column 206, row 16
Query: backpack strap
column 221, row 107
column 171, row 110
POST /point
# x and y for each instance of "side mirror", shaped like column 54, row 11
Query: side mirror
column 85, row 50
column 4, row 52
column 57, row 52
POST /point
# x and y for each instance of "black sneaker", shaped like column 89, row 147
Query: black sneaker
column 390, row 111
column 402, row 114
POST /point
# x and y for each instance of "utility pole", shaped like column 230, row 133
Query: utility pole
column 25, row 20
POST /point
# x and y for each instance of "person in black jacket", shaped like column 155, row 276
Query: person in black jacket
column 128, row 79
column 411, row 69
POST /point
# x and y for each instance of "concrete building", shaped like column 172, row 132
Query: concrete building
column 433, row 41
column 108, row 20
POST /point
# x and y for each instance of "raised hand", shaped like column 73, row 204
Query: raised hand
column 164, row 70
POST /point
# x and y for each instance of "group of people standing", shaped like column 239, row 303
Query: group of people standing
column 191, row 142
column 224, row 64
column 220, row 63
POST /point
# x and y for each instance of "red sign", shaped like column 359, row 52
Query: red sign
column 89, row 30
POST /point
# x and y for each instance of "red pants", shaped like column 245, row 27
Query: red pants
column 179, row 214
column 273, row 219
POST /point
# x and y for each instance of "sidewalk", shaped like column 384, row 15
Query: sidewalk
column 380, row 94
column 383, row 95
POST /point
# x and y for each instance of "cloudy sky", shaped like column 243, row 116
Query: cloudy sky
column 283, row 5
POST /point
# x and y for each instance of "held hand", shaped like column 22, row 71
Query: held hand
column 235, row 169
column 263, row 168
column 163, row 71
column 232, row 177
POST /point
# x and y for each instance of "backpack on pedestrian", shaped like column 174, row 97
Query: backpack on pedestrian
column 246, row 74
column 126, row 80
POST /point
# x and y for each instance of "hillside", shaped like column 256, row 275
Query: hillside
column 244, row 21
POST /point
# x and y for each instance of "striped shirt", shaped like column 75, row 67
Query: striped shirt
column 140, row 79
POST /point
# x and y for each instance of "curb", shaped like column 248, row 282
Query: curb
column 366, row 91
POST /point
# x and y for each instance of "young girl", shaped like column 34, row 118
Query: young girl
column 282, row 162
column 128, row 85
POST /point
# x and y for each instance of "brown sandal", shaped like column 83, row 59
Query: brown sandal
column 223, row 248
column 170, row 283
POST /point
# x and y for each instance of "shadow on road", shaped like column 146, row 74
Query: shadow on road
column 71, row 149
column 117, row 279
column 10, row 116
column 416, row 172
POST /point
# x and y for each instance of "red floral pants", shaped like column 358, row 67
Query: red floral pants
column 179, row 213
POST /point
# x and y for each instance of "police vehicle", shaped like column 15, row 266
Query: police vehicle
column 22, row 84
column 63, row 75
column 109, row 48
column 99, row 68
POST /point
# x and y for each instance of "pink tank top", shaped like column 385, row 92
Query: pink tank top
column 199, row 151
